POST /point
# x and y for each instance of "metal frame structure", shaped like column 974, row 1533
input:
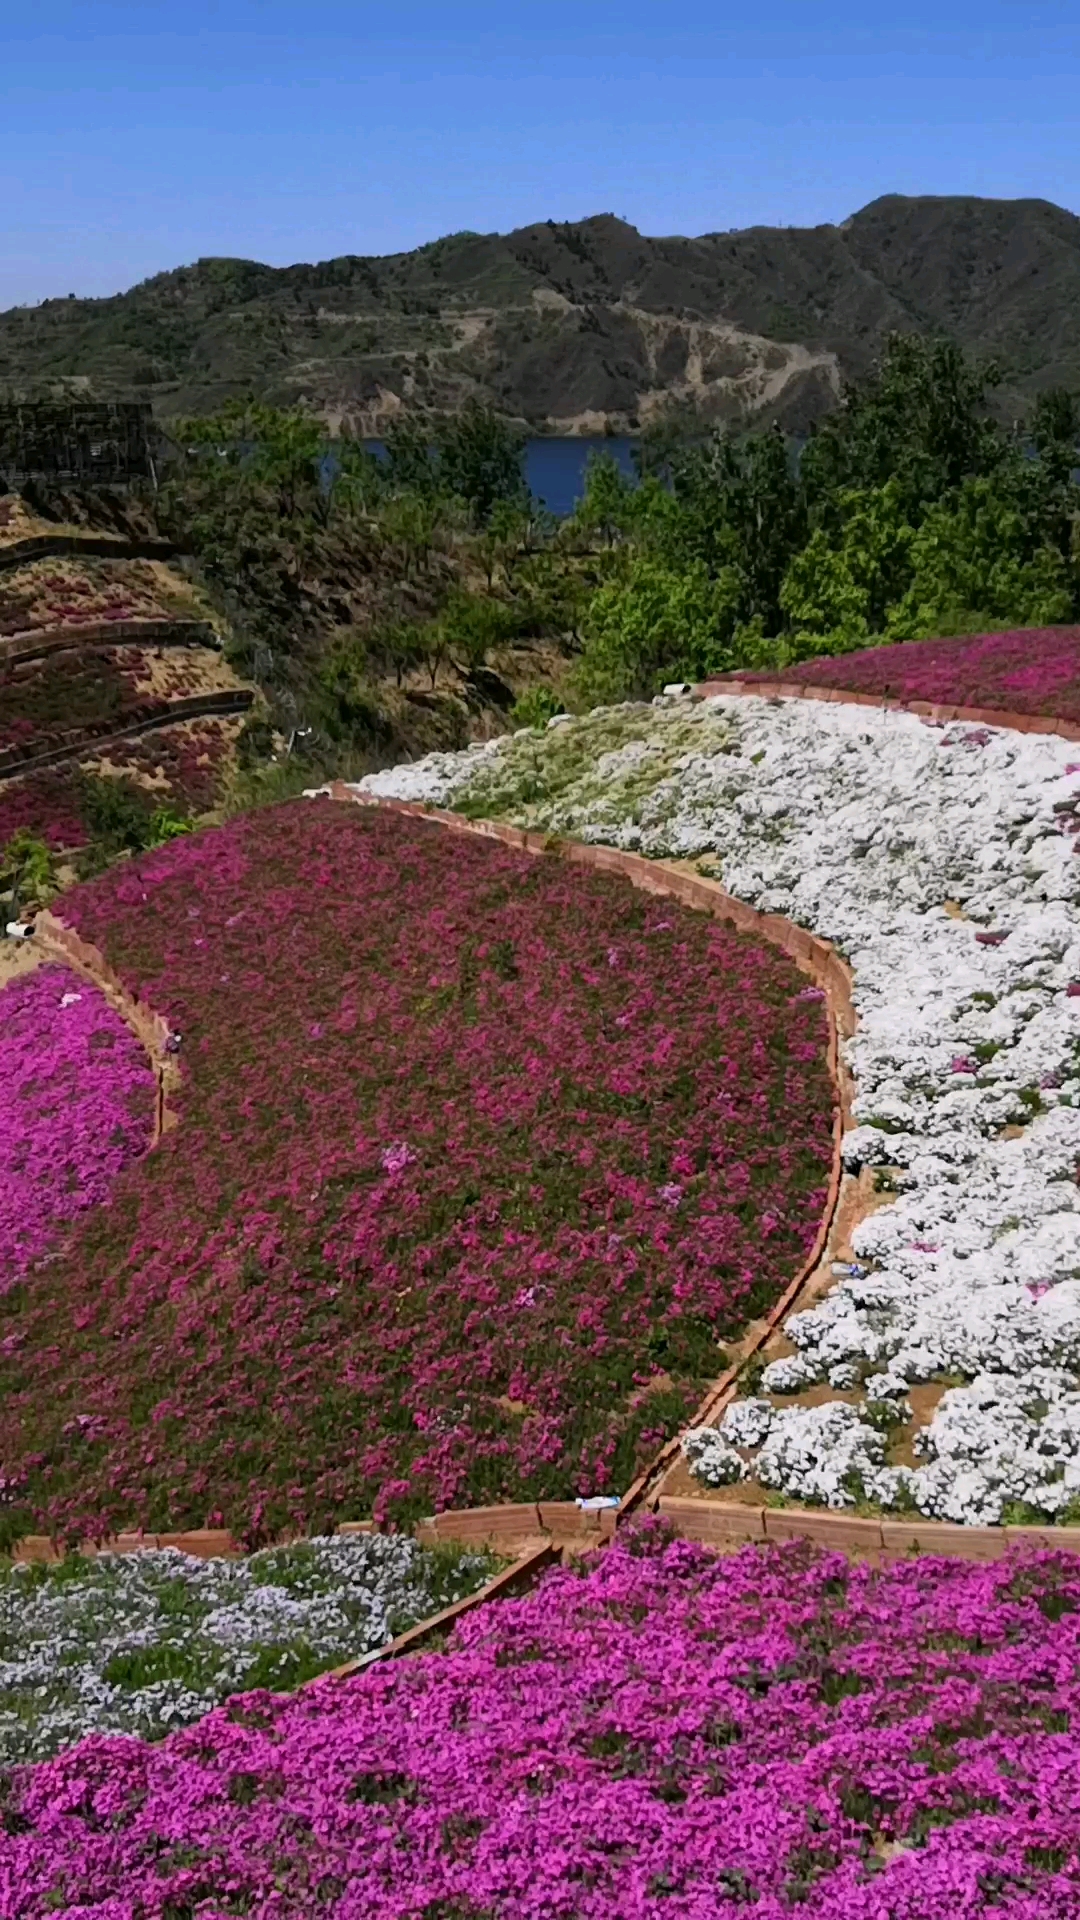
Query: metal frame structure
column 101, row 443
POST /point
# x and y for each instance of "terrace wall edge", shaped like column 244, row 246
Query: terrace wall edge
column 935, row 713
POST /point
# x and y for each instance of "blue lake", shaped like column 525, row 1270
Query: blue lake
column 555, row 468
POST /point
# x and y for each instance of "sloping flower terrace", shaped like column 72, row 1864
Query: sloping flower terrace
column 479, row 1157
column 942, row 862
column 1035, row 671
column 673, row 1737
column 76, row 1105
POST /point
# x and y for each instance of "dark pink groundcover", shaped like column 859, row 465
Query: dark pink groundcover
column 479, row 1157
column 672, row 1736
column 1032, row 670
column 77, row 1096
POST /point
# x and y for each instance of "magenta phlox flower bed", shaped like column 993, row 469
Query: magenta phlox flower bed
column 76, row 1105
column 45, row 804
column 479, row 1156
column 1032, row 670
column 674, row 1736
column 185, row 766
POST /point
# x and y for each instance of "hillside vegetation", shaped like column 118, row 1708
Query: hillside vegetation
column 406, row 604
column 389, row 608
column 583, row 325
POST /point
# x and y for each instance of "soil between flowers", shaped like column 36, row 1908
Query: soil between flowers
column 479, row 1158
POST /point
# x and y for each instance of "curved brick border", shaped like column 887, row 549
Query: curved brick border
column 924, row 709
column 61, row 942
column 200, row 706
column 34, row 643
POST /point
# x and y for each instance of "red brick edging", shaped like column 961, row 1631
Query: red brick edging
column 937, row 714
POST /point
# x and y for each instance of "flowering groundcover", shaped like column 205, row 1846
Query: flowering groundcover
column 478, row 1157
column 942, row 862
column 671, row 1737
column 146, row 1642
column 185, row 766
column 1028, row 670
column 76, row 591
column 76, row 1105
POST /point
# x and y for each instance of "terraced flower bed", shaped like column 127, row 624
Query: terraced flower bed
column 942, row 1372
column 45, row 804
column 48, row 702
column 478, row 1159
column 83, row 591
column 141, row 1643
column 1032, row 670
column 76, row 1105
column 185, row 766
column 672, row 1736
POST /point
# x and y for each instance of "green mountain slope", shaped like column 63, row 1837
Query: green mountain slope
column 583, row 326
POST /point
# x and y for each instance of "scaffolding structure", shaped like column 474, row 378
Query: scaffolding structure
column 88, row 443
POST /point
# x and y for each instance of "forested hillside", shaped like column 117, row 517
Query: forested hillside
column 584, row 325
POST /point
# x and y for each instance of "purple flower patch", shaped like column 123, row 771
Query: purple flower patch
column 675, row 1736
column 76, row 1104
column 321, row 1269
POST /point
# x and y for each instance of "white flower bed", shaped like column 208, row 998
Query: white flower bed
column 143, row 1642
column 861, row 825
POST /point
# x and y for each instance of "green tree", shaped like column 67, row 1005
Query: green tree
column 740, row 514
column 920, row 420
column 27, row 872
column 837, row 590
column 409, row 522
column 986, row 555
column 286, row 450
column 472, row 625
column 656, row 624
column 605, row 508
column 474, row 456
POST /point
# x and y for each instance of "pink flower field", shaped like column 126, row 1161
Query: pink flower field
column 479, row 1158
column 673, row 1736
column 1032, row 670
column 76, row 1105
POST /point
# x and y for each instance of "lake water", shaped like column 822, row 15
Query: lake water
column 555, row 468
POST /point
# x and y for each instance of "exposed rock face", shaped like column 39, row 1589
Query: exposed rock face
column 585, row 326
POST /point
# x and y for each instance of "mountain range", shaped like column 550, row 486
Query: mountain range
column 586, row 326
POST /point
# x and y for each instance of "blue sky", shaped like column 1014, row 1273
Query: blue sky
column 140, row 136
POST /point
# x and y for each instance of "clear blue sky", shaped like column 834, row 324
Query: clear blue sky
column 138, row 135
